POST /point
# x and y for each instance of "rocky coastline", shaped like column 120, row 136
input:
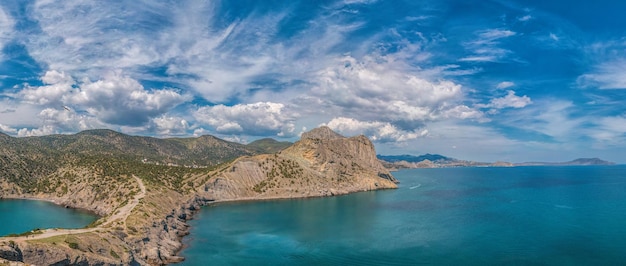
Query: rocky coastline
column 323, row 163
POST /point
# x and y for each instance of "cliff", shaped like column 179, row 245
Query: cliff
column 322, row 163
column 145, row 205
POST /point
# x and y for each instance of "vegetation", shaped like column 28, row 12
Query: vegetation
column 268, row 145
column 113, row 158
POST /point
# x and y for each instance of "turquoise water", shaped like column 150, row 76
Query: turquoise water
column 18, row 216
column 452, row 216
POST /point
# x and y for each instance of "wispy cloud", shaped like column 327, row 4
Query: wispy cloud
column 6, row 29
column 608, row 65
column 525, row 18
column 607, row 75
column 505, row 85
column 486, row 47
column 553, row 118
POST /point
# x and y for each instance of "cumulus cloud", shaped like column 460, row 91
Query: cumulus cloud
column 170, row 126
column 57, row 85
column 42, row 131
column 115, row 99
column 121, row 100
column 380, row 88
column 510, row 101
column 7, row 129
column 62, row 121
column 376, row 130
column 257, row 119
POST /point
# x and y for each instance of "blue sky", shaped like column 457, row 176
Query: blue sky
column 507, row 80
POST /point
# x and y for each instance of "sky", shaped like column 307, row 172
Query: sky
column 489, row 80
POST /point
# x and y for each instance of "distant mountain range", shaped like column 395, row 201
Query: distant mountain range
column 436, row 160
column 579, row 161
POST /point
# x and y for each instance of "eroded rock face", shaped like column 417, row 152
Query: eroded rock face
column 322, row 163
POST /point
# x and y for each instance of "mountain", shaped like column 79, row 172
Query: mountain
column 436, row 160
column 322, row 163
column 145, row 189
column 579, row 161
column 416, row 159
column 268, row 145
column 430, row 161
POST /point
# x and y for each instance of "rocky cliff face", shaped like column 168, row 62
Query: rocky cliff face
column 322, row 163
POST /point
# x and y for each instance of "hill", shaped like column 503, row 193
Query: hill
column 146, row 188
column 268, row 145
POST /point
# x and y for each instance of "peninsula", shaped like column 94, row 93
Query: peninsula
column 145, row 189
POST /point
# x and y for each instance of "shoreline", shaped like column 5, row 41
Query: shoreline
column 33, row 199
column 53, row 201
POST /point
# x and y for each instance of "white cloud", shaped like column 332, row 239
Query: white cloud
column 44, row 130
column 62, row 121
column 525, row 18
column 606, row 75
column 465, row 112
column 609, row 130
column 58, row 85
column 377, row 131
column 505, row 84
column 123, row 101
column 262, row 118
column 7, row 129
column 608, row 65
column 170, row 126
column 6, row 29
column 115, row 99
column 554, row 37
column 510, row 100
column 380, row 88
column 485, row 47
column 550, row 117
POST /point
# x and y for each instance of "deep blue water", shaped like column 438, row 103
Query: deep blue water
column 452, row 216
column 18, row 216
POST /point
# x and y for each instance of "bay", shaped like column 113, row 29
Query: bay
column 19, row 216
column 449, row 216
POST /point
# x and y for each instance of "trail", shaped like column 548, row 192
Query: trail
column 118, row 216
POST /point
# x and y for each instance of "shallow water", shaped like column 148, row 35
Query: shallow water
column 452, row 216
column 18, row 216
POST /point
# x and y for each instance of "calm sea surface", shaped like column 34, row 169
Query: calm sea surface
column 18, row 216
column 453, row 216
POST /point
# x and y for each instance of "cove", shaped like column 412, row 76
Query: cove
column 19, row 216
column 450, row 216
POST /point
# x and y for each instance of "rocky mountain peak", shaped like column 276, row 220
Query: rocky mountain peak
column 322, row 132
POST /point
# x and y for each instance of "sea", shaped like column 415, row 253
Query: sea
column 19, row 216
column 535, row 215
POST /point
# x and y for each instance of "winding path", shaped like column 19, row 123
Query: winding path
column 119, row 215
